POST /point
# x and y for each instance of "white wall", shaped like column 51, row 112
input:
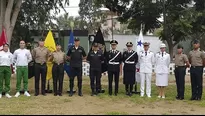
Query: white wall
column 123, row 39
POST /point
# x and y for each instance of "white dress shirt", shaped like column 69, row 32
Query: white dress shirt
column 22, row 57
column 6, row 58
column 146, row 60
column 162, row 63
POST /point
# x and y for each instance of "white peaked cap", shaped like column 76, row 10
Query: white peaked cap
column 162, row 45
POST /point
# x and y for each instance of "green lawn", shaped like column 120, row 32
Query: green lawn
column 103, row 103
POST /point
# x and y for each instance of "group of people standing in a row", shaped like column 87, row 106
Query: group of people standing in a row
column 144, row 59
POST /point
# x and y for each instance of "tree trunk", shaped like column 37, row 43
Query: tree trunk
column 11, row 17
column 170, row 46
column 2, row 13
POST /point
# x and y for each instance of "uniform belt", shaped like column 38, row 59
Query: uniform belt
column 41, row 63
column 196, row 66
column 58, row 63
column 179, row 66
column 114, row 63
column 129, row 62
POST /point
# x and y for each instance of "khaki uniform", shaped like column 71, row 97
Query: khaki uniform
column 59, row 57
column 40, row 56
column 58, row 71
column 180, row 59
column 196, row 59
column 180, row 72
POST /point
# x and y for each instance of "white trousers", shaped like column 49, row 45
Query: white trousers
column 148, row 78
column 137, row 77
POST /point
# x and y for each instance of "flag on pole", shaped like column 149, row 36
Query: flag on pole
column 50, row 44
column 139, row 43
column 100, row 40
column 139, row 47
column 3, row 39
column 70, row 43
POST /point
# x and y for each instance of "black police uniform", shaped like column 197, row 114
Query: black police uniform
column 130, row 59
column 114, row 58
column 76, row 66
column 95, row 58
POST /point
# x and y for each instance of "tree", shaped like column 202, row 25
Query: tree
column 33, row 12
column 64, row 21
column 143, row 14
column 91, row 13
column 199, row 23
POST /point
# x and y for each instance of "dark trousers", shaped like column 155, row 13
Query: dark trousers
column 40, row 70
column 76, row 71
column 128, row 88
column 58, row 75
column 180, row 80
column 196, row 81
column 95, row 80
column 112, row 74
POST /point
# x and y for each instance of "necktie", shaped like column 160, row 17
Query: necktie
column 162, row 54
column 145, row 53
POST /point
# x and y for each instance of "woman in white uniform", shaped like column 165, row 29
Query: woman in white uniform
column 162, row 70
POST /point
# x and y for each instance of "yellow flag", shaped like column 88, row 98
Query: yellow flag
column 49, row 70
column 49, row 42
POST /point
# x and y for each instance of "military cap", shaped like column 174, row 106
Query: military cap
column 113, row 42
column 146, row 43
column 180, row 47
column 95, row 44
column 162, row 45
column 41, row 39
column 129, row 44
column 195, row 41
column 77, row 39
column 58, row 44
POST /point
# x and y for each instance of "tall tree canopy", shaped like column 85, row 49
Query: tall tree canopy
column 91, row 13
column 30, row 14
column 181, row 18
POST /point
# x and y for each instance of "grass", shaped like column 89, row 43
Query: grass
column 101, row 104
column 116, row 113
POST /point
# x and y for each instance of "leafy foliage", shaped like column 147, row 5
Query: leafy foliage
column 37, row 15
column 91, row 13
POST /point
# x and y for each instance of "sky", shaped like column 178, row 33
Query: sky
column 72, row 9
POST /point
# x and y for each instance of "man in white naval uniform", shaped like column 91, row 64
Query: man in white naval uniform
column 146, row 60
